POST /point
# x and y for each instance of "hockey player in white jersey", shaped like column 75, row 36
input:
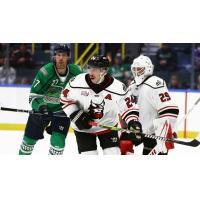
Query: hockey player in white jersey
column 156, row 106
column 96, row 96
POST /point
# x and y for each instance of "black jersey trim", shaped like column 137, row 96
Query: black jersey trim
column 153, row 87
column 116, row 92
column 169, row 111
column 97, row 88
column 135, row 113
column 78, row 87
column 144, row 82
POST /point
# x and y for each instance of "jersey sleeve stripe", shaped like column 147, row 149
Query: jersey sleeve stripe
column 132, row 113
column 132, row 117
column 133, row 109
column 169, row 111
column 168, row 107
column 65, row 101
column 168, row 115
column 65, row 106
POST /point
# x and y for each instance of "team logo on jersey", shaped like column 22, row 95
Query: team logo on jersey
column 108, row 96
column 158, row 83
column 84, row 93
column 96, row 110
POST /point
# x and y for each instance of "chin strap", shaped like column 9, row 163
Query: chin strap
column 102, row 76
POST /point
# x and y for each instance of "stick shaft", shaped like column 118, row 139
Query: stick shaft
column 192, row 143
column 55, row 114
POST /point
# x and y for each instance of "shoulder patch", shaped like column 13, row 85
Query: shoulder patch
column 44, row 71
column 155, row 82
column 158, row 83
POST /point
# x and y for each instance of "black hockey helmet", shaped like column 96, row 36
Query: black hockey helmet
column 98, row 61
column 61, row 48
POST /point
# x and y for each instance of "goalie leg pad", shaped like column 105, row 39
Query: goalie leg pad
column 149, row 144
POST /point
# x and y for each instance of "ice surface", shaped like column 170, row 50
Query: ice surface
column 10, row 142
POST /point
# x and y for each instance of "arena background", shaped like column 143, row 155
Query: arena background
column 177, row 63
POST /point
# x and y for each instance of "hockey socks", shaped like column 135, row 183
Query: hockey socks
column 27, row 146
column 57, row 144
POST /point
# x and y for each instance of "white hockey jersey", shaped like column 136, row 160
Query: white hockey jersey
column 154, row 101
column 103, row 106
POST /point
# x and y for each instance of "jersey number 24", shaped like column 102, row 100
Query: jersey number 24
column 129, row 101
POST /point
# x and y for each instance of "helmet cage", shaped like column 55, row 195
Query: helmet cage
column 141, row 68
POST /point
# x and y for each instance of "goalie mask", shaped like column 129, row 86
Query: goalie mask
column 141, row 68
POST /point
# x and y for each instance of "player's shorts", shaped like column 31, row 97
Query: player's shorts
column 88, row 141
column 37, row 123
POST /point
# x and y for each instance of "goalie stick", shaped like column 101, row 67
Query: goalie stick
column 55, row 114
column 193, row 143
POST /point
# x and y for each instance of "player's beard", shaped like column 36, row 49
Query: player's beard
column 61, row 67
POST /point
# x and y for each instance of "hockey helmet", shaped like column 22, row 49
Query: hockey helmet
column 141, row 68
column 62, row 48
column 98, row 61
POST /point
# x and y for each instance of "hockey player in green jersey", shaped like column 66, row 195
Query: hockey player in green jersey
column 45, row 99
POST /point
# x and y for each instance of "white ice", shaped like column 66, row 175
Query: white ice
column 10, row 142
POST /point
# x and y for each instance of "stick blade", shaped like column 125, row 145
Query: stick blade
column 194, row 143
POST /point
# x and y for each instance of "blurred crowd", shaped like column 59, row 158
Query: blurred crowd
column 178, row 64
column 175, row 63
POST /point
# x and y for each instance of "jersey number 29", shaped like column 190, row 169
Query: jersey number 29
column 164, row 97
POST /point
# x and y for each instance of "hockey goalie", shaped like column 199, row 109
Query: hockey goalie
column 157, row 111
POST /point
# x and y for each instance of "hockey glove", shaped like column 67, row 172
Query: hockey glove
column 81, row 119
column 136, row 128
column 136, row 139
column 43, row 109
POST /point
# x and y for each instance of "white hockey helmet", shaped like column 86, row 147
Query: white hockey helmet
column 141, row 68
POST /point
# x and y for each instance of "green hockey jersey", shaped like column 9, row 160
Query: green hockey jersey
column 48, row 85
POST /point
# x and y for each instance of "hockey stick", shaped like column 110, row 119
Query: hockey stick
column 55, row 114
column 193, row 143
